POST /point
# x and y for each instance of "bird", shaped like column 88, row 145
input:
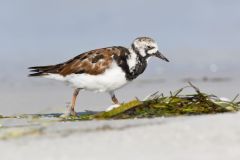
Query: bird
column 102, row 70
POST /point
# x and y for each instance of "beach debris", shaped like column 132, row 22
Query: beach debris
column 158, row 105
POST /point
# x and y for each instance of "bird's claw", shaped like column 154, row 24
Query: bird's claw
column 70, row 112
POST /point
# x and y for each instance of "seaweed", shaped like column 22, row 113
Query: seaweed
column 157, row 105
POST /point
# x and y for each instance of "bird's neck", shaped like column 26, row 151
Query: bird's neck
column 140, row 52
column 136, row 63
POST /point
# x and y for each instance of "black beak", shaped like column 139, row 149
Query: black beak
column 161, row 56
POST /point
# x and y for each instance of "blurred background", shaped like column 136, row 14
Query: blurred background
column 201, row 39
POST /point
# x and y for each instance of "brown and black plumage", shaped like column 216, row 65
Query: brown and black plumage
column 102, row 70
column 93, row 62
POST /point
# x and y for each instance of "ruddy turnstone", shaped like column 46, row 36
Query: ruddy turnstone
column 102, row 70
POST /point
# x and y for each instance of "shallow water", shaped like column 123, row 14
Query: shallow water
column 47, row 96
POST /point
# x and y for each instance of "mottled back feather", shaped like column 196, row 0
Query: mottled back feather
column 93, row 62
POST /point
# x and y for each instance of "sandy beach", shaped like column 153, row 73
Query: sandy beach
column 213, row 137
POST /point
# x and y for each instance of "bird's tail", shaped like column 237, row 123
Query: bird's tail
column 39, row 70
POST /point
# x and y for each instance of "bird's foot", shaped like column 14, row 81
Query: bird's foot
column 69, row 112
column 112, row 107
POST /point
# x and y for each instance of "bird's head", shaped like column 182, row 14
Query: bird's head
column 147, row 47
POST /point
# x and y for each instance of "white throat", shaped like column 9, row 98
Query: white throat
column 142, row 52
column 132, row 60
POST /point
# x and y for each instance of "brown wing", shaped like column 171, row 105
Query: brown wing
column 92, row 62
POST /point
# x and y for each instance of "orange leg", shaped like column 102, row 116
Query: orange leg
column 71, row 109
column 114, row 99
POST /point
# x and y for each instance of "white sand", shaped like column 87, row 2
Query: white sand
column 211, row 137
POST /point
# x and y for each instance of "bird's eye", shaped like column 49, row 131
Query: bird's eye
column 149, row 47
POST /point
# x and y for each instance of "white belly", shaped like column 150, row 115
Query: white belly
column 112, row 79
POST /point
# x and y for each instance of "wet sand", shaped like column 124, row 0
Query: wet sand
column 46, row 96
